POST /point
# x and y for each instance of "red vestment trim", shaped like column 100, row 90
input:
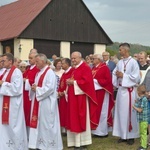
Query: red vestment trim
column 130, row 125
column 99, row 73
column 6, row 99
column 34, row 118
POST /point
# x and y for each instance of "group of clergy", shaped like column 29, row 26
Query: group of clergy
column 33, row 108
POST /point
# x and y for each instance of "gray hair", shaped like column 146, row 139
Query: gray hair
column 42, row 57
column 78, row 53
column 99, row 56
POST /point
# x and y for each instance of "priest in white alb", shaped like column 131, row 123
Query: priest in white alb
column 44, row 124
column 126, row 76
column 12, row 123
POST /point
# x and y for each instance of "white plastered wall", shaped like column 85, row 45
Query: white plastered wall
column 99, row 48
column 26, row 46
column 65, row 49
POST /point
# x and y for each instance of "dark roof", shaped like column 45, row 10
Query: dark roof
column 15, row 17
column 60, row 20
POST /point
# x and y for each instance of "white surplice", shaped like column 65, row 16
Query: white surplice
column 47, row 135
column 131, row 77
column 102, row 129
column 13, row 136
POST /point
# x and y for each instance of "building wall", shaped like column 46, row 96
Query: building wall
column 65, row 49
column 71, row 22
column 26, row 46
column 99, row 48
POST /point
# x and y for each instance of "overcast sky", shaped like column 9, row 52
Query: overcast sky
column 122, row 20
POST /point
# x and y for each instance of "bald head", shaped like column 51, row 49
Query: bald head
column 76, row 58
column 34, row 51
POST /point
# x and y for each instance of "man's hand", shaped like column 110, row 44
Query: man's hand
column 69, row 81
column 33, row 87
column 60, row 94
column 119, row 74
column 1, row 82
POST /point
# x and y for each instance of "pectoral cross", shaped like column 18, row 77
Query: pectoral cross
column 9, row 143
column 41, row 141
column 34, row 118
column 5, row 107
column 52, row 143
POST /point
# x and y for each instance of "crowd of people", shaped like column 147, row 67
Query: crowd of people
column 43, row 100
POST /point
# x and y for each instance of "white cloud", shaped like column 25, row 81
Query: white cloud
column 123, row 20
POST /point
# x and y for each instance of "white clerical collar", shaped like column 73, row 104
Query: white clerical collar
column 32, row 66
column 79, row 64
column 107, row 62
column 8, row 69
column 43, row 69
column 125, row 59
column 68, row 69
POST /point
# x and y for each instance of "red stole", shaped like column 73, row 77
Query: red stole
column 103, row 76
column 6, row 99
column 130, row 107
column 34, row 118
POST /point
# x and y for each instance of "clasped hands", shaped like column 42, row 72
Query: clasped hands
column 70, row 81
column 119, row 74
column 33, row 87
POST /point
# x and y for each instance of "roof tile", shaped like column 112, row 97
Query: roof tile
column 15, row 17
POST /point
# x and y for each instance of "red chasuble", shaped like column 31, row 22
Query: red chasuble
column 34, row 118
column 6, row 99
column 62, row 100
column 102, row 74
column 77, row 108
column 30, row 75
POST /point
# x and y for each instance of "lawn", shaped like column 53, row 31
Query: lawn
column 109, row 143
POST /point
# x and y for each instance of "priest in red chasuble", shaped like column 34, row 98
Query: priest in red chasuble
column 104, row 93
column 12, row 122
column 28, row 77
column 66, row 65
column 82, row 104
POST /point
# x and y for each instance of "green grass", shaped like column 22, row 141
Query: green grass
column 109, row 143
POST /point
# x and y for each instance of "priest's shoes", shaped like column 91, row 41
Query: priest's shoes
column 80, row 148
column 121, row 140
column 97, row 136
column 130, row 141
